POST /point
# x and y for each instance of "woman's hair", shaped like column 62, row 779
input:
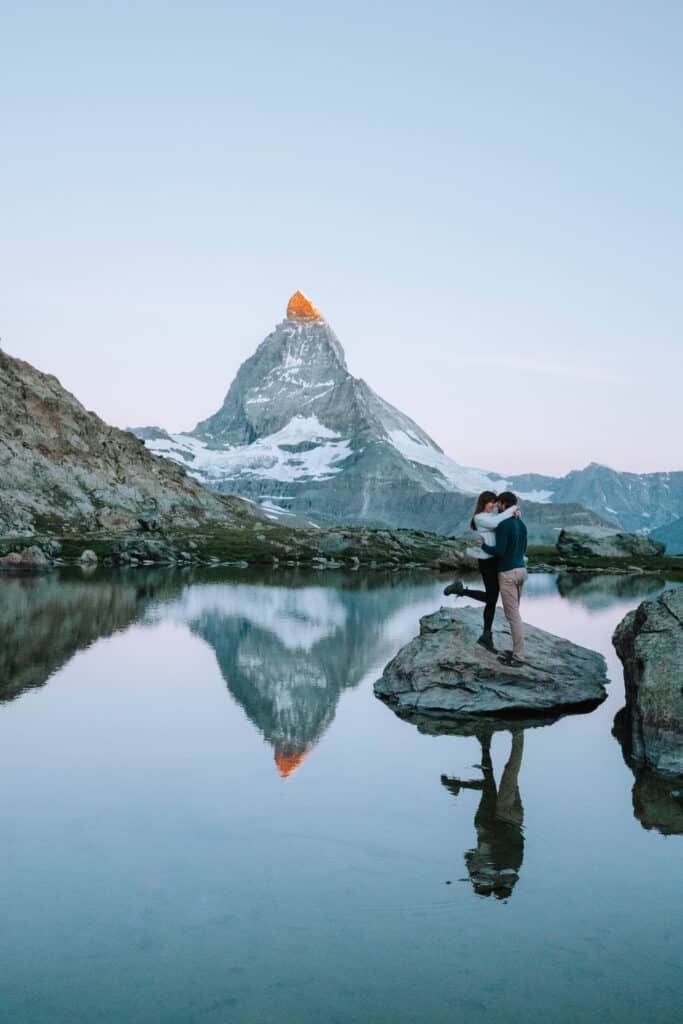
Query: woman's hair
column 482, row 501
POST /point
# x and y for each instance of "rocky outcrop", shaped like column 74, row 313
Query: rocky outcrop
column 63, row 469
column 444, row 671
column 649, row 642
column 601, row 542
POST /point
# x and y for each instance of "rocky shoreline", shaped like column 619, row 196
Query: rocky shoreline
column 259, row 543
column 263, row 543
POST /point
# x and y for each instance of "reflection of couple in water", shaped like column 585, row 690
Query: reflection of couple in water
column 494, row 866
column 502, row 565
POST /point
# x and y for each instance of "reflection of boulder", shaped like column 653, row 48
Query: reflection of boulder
column 495, row 863
column 443, row 671
column 649, row 642
column 657, row 796
column 595, row 590
column 603, row 542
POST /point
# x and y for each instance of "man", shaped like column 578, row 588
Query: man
column 509, row 550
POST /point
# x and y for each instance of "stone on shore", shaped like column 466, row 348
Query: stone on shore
column 30, row 558
column 444, row 672
column 602, row 542
column 649, row 642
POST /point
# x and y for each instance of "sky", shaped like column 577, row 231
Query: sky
column 484, row 200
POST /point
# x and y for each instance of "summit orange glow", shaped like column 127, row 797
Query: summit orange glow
column 288, row 763
column 301, row 308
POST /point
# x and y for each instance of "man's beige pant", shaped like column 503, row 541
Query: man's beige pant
column 511, row 584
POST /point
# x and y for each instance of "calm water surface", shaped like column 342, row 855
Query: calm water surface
column 207, row 817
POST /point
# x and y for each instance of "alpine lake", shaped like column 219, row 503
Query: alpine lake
column 207, row 816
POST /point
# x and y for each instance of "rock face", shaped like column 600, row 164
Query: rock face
column 62, row 468
column 649, row 642
column 585, row 541
column 300, row 435
column 444, row 671
column 672, row 536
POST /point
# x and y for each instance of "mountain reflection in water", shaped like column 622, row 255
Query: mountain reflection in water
column 286, row 649
column 287, row 653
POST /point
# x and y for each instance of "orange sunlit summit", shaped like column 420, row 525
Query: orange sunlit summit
column 301, row 308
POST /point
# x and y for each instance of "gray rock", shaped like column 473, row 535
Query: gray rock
column 29, row 558
column 444, row 670
column 649, row 642
column 602, row 542
column 88, row 556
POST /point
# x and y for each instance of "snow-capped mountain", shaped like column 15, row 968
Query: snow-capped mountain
column 301, row 436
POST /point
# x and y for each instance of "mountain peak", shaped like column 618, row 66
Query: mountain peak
column 301, row 308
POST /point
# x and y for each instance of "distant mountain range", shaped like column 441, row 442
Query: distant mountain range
column 636, row 502
column 302, row 437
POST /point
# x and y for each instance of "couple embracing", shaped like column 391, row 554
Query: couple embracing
column 502, row 565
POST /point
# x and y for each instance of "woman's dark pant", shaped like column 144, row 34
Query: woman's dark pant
column 488, row 567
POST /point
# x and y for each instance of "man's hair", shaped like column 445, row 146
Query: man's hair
column 507, row 498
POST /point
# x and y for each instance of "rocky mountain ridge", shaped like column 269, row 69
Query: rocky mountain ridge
column 64, row 469
column 635, row 502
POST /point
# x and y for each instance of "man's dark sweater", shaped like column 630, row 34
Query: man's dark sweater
column 510, row 545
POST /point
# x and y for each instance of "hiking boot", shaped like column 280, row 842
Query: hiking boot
column 486, row 640
column 509, row 659
column 456, row 588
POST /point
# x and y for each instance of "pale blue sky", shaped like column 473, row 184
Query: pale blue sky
column 483, row 199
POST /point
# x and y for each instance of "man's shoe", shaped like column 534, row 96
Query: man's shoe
column 486, row 640
column 456, row 588
column 510, row 661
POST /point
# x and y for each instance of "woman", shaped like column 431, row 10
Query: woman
column 485, row 520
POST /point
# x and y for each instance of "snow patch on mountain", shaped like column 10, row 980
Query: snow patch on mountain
column 456, row 477
column 300, row 618
column 284, row 456
column 542, row 497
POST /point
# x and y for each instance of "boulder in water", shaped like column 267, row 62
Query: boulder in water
column 444, row 672
column 649, row 642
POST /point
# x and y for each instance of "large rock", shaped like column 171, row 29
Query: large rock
column 444, row 670
column 601, row 542
column 30, row 558
column 649, row 642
